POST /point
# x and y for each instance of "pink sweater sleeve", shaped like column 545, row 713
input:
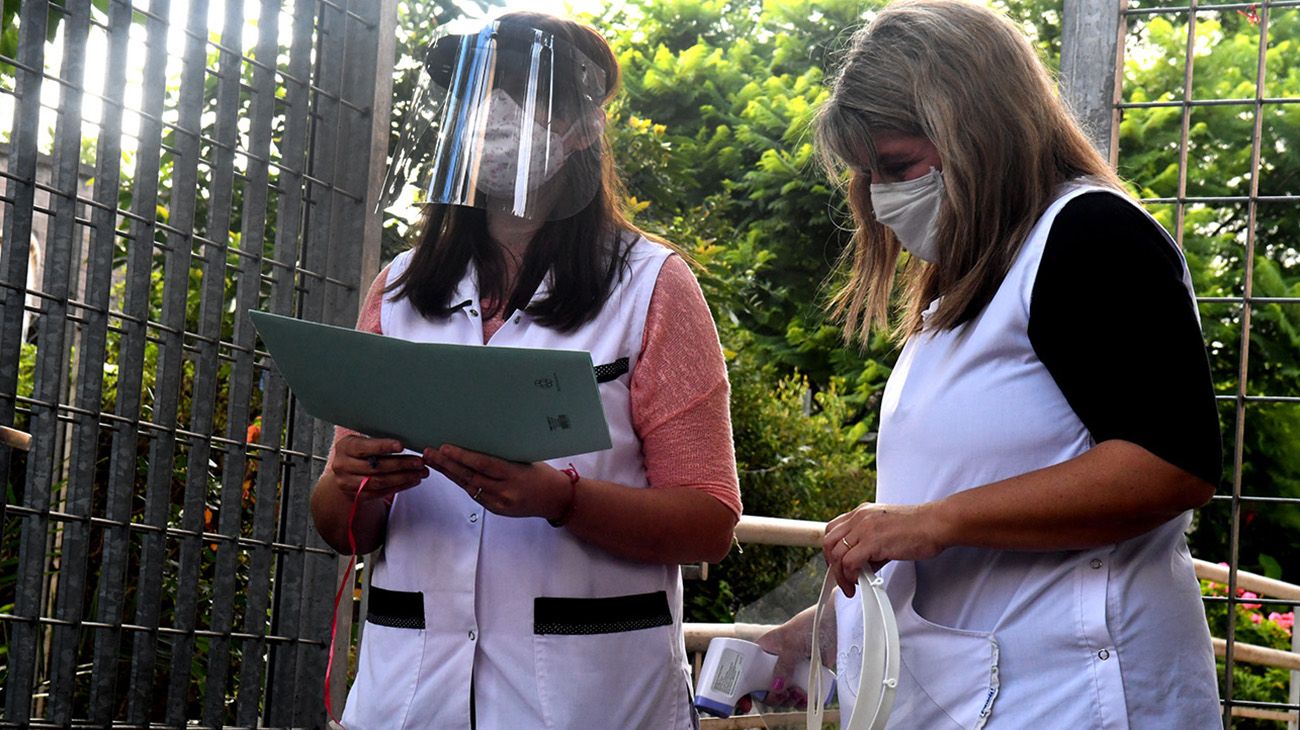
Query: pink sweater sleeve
column 680, row 394
column 367, row 321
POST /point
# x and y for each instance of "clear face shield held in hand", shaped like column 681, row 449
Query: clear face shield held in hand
column 506, row 118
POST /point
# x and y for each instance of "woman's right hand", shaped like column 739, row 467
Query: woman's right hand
column 381, row 460
column 790, row 642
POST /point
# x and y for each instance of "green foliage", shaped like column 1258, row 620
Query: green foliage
column 796, row 460
column 1260, row 626
column 9, row 32
column 715, row 112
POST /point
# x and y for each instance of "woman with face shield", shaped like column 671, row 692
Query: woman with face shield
column 542, row 595
column 1050, row 422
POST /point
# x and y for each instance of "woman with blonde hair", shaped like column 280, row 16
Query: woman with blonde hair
column 1050, row 422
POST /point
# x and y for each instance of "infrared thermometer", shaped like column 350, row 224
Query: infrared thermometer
column 734, row 668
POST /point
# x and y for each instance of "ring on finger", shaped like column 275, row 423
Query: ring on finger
column 846, row 542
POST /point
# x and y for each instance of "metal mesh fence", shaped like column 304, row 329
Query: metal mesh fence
column 165, row 167
column 1205, row 120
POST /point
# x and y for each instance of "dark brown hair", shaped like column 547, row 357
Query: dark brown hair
column 585, row 253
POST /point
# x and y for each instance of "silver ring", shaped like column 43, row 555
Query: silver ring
column 845, row 540
column 477, row 494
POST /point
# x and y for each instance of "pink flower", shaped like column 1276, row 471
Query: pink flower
column 1285, row 620
column 1256, row 618
column 1248, row 595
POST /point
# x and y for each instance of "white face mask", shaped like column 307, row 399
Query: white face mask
column 499, row 169
column 911, row 210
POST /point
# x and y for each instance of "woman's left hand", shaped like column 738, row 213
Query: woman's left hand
column 505, row 487
column 874, row 534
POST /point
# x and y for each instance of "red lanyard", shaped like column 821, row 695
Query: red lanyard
column 338, row 597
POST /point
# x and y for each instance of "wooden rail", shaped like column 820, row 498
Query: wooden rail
column 15, row 439
column 807, row 533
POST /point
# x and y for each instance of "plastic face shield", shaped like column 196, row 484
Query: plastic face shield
column 506, row 118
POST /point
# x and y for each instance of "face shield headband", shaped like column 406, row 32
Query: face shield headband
column 505, row 119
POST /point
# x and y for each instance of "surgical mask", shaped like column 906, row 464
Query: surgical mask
column 911, row 210
column 498, row 171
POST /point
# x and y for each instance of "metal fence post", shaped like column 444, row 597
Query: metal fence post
column 1091, row 66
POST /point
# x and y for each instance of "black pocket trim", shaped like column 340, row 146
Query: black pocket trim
column 610, row 371
column 396, row 609
column 616, row 614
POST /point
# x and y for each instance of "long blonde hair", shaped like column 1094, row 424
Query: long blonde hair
column 965, row 78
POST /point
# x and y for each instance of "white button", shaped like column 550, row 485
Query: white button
column 473, row 517
column 1103, row 655
column 1095, row 563
column 471, row 635
column 517, row 319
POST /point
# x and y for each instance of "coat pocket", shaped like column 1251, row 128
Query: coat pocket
column 610, row 662
column 953, row 673
column 392, row 653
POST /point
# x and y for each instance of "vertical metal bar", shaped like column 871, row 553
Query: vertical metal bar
column 1189, row 63
column 166, row 402
column 63, row 242
column 371, row 240
column 21, row 656
column 204, row 388
column 125, row 450
column 1239, row 435
column 352, row 221
column 117, row 503
column 1092, row 47
column 289, row 215
column 35, row 559
column 240, row 386
column 21, row 188
column 1293, row 695
column 350, row 74
column 298, row 573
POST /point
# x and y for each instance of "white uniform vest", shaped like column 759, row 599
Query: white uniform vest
column 1113, row 637
column 479, row 573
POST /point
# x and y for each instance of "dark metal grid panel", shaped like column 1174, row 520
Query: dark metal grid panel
column 28, row 588
column 275, row 396
column 110, row 589
column 155, row 563
column 240, row 383
column 204, row 385
column 1247, row 302
column 75, row 538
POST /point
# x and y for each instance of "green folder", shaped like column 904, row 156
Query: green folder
column 518, row 404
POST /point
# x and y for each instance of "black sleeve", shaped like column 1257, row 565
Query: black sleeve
column 1112, row 322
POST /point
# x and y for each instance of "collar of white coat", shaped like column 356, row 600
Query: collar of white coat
column 468, row 288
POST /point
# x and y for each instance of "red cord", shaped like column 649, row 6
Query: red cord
column 338, row 598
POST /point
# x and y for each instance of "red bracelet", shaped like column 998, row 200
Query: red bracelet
column 572, row 473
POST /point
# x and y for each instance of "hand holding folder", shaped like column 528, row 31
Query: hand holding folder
column 514, row 403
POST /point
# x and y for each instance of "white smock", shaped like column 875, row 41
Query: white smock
column 545, row 630
column 1112, row 637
